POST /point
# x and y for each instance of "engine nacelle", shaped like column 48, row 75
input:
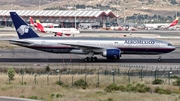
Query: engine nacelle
column 112, row 53
column 50, row 26
column 58, row 34
column 67, row 34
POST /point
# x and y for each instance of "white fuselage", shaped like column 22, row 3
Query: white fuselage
column 62, row 30
column 97, row 45
column 154, row 26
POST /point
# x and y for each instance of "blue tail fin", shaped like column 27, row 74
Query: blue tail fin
column 23, row 30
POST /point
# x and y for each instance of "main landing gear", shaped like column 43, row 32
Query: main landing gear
column 90, row 59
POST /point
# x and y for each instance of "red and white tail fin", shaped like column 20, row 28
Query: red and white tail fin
column 32, row 22
column 40, row 27
column 174, row 22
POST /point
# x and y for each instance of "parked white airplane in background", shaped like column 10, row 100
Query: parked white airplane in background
column 57, row 31
column 161, row 25
column 48, row 25
column 123, row 28
column 111, row 48
column 117, row 28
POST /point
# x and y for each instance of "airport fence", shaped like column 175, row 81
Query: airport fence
column 114, row 71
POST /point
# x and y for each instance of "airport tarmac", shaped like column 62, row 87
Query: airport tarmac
column 112, row 33
column 170, row 35
column 142, row 31
column 21, row 54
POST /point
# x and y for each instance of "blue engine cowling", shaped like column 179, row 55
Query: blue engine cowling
column 112, row 53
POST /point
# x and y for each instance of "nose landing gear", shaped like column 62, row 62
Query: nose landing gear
column 159, row 59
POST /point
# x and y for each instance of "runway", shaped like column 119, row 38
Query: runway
column 51, row 60
column 26, row 55
column 159, row 32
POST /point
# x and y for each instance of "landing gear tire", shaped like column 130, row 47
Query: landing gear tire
column 90, row 59
column 86, row 59
column 159, row 59
column 95, row 58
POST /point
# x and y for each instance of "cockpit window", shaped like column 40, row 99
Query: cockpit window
column 169, row 44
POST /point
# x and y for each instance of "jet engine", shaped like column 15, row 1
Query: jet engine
column 58, row 34
column 112, row 53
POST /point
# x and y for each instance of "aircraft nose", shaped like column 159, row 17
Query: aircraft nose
column 173, row 48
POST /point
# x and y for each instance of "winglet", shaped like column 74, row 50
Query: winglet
column 22, row 28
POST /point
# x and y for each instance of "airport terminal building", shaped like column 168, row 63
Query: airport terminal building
column 65, row 18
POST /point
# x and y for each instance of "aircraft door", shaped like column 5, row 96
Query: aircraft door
column 44, row 43
column 158, row 45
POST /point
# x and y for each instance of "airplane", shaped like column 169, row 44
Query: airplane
column 116, row 27
column 111, row 48
column 32, row 22
column 161, row 26
column 57, row 31
column 130, row 29
column 49, row 25
column 123, row 28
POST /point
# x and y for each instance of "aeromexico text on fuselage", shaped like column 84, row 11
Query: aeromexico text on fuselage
column 139, row 42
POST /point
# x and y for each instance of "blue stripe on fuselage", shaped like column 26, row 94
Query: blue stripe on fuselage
column 145, row 50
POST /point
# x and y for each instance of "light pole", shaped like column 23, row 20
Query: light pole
column 176, row 10
column 169, row 75
column 39, row 4
column 11, row 6
column 72, row 80
column 75, row 22
column 113, row 75
column 129, row 75
column 98, row 77
column 75, row 16
column 124, row 13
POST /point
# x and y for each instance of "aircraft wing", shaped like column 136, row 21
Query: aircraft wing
column 87, row 47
